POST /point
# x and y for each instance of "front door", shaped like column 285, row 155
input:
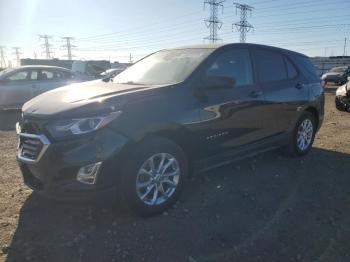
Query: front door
column 231, row 116
column 17, row 89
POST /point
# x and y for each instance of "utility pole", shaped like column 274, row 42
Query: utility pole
column 243, row 26
column 344, row 53
column 17, row 53
column 68, row 45
column 46, row 45
column 130, row 59
column 2, row 57
column 213, row 22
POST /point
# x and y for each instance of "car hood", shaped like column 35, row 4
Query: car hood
column 83, row 98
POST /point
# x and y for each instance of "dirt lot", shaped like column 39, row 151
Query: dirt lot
column 267, row 208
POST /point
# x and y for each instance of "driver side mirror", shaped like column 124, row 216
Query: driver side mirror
column 218, row 82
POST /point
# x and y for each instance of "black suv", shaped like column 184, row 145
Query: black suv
column 135, row 137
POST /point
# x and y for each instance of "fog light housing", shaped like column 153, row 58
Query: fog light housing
column 88, row 174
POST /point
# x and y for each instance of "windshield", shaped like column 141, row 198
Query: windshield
column 164, row 67
column 338, row 69
column 3, row 72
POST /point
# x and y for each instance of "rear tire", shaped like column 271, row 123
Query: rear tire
column 157, row 164
column 303, row 135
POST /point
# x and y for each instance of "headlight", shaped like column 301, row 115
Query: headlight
column 78, row 126
column 341, row 91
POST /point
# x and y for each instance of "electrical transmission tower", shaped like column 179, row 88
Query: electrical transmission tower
column 68, row 46
column 243, row 26
column 213, row 22
column 46, row 45
column 2, row 57
column 17, row 53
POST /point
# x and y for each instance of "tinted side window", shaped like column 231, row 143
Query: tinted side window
column 235, row 64
column 306, row 67
column 46, row 75
column 59, row 75
column 291, row 71
column 270, row 66
column 18, row 76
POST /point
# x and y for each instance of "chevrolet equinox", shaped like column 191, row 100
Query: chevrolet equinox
column 137, row 136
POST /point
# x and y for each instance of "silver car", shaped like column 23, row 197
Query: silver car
column 21, row 84
column 338, row 75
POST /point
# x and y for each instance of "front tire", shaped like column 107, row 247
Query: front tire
column 153, row 176
column 303, row 135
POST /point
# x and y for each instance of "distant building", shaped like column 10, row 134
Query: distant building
column 121, row 66
column 50, row 62
column 324, row 64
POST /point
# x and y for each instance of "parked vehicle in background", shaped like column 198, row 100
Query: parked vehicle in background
column 90, row 69
column 342, row 97
column 191, row 108
column 21, row 84
column 337, row 75
column 111, row 72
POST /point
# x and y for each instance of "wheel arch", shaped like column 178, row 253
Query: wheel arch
column 176, row 134
column 315, row 113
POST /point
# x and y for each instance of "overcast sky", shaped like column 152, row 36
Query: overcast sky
column 111, row 29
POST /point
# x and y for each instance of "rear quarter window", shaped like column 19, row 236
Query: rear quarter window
column 291, row 71
column 306, row 68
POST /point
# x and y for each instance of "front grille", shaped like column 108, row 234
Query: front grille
column 32, row 142
column 31, row 147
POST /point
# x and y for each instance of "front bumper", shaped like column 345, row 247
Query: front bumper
column 54, row 174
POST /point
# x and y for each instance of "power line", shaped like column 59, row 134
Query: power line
column 46, row 45
column 2, row 57
column 213, row 22
column 111, row 37
column 68, row 45
column 243, row 26
column 17, row 53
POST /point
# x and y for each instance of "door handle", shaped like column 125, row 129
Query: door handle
column 255, row 93
column 299, row 85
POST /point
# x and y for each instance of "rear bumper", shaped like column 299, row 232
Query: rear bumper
column 342, row 103
column 335, row 79
column 54, row 175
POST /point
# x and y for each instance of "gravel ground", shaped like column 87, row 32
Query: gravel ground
column 267, row 208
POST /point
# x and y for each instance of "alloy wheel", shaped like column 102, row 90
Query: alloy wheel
column 157, row 179
column 305, row 133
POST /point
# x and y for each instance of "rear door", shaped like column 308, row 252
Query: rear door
column 283, row 89
column 231, row 116
column 51, row 79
